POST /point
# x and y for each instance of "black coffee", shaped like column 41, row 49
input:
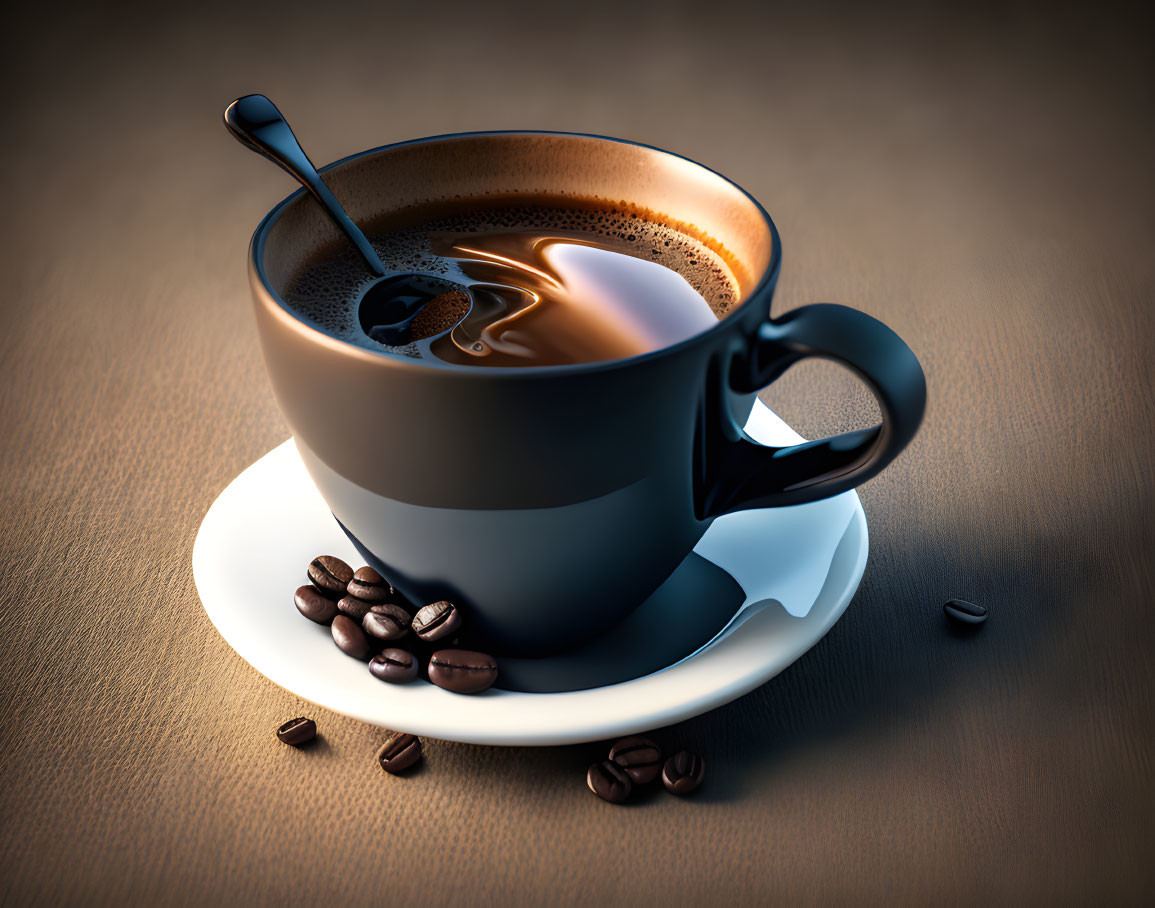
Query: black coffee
column 542, row 282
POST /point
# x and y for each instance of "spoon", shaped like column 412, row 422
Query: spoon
column 390, row 303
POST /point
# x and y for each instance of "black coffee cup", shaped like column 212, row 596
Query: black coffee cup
column 551, row 501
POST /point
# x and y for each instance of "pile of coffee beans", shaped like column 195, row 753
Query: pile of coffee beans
column 638, row 761
column 371, row 621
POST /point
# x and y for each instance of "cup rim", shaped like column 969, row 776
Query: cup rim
column 765, row 281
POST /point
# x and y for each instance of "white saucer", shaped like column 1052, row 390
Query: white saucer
column 799, row 568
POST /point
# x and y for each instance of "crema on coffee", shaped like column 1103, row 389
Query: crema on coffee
column 531, row 282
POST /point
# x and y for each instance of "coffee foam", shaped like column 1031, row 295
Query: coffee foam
column 326, row 289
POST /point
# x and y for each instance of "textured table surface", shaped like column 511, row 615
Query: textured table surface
column 980, row 181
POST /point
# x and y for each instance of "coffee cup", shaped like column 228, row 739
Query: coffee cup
column 550, row 501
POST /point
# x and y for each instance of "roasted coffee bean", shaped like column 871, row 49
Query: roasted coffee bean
column 399, row 752
column 609, row 781
column 639, row 757
column 355, row 608
column 394, row 665
column 349, row 637
column 370, row 586
column 462, row 671
column 683, row 772
column 330, row 575
column 386, row 621
column 436, row 621
column 298, row 731
column 965, row 612
column 313, row 605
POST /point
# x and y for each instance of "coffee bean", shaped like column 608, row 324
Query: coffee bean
column 639, row 757
column 436, row 621
column 313, row 605
column 370, row 586
column 399, row 752
column 298, row 731
column 349, row 637
column 609, row 781
column 386, row 621
column 965, row 612
column 394, row 665
column 330, row 575
column 462, row 671
column 355, row 608
column 683, row 772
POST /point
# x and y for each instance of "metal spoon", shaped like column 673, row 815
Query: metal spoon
column 390, row 303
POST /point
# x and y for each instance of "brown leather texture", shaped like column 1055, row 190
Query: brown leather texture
column 978, row 178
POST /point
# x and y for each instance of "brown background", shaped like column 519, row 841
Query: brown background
column 981, row 180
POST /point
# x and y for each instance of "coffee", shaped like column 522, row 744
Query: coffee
column 609, row 781
column 386, row 622
column 314, row 604
column 962, row 612
column 639, row 757
column 399, row 752
column 540, row 281
column 349, row 637
column 394, row 665
column 437, row 621
column 330, row 575
column 297, row 732
column 683, row 772
column 369, row 586
column 462, row 671
column 355, row 608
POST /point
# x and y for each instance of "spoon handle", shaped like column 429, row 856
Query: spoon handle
column 256, row 123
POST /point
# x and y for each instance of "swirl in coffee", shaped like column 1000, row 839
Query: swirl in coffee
column 536, row 282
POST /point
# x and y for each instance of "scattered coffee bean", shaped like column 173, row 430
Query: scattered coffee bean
column 639, row 757
column 386, row 621
column 313, row 605
column 330, row 575
column 370, row 586
column 298, row 731
column 399, row 752
column 609, row 781
column 462, row 671
column 965, row 612
column 683, row 772
column 349, row 637
column 355, row 608
column 394, row 665
column 436, row 621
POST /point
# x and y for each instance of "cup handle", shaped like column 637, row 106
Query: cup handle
column 743, row 474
